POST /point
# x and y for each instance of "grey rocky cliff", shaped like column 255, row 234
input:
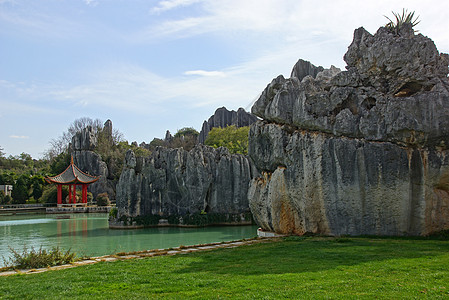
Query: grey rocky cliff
column 83, row 144
column 178, row 182
column 223, row 118
column 363, row 151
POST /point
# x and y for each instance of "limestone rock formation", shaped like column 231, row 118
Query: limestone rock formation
column 83, row 144
column 304, row 68
column 222, row 118
column 362, row 151
column 178, row 182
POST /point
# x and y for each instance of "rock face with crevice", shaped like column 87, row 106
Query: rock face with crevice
column 84, row 156
column 176, row 182
column 361, row 151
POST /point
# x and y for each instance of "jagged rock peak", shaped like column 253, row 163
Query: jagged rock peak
column 84, row 139
column 223, row 118
column 107, row 128
column 395, row 89
column 394, row 63
column 304, row 68
column 168, row 137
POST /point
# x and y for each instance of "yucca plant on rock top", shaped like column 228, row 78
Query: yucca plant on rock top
column 401, row 19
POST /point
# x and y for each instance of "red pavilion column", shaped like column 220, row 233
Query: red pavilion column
column 59, row 188
column 84, row 193
column 70, row 193
column 74, row 194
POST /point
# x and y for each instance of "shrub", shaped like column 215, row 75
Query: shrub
column 79, row 196
column 103, row 199
column 90, row 197
column 147, row 220
column 113, row 212
column 39, row 258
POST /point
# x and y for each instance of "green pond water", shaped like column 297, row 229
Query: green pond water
column 88, row 234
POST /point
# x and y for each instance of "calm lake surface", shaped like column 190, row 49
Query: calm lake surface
column 88, row 234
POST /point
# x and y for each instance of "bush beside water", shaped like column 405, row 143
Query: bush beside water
column 42, row 258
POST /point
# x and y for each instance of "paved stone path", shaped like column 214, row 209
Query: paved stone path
column 140, row 255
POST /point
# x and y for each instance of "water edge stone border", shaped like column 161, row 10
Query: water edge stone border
column 142, row 254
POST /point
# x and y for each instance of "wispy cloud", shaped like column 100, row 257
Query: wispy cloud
column 205, row 73
column 288, row 19
column 172, row 4
column 19, row 136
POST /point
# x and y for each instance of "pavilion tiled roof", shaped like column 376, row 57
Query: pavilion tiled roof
column 72, row 175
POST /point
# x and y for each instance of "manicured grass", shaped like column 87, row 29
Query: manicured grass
column 290, row 268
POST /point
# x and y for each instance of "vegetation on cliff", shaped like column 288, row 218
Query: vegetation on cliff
column 232, row 137
column 185, row 137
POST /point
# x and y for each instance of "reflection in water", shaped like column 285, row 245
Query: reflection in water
column 88, row 234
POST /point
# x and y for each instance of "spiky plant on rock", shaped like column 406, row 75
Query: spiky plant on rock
column 401, row 19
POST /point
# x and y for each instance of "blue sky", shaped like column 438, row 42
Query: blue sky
column 150, row 66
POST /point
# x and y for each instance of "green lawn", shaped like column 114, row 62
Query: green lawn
column 290, row 268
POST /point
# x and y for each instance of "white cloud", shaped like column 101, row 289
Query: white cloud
column 205, row 73
column 172, row 4
column 274, row 20
column 19, row 136
column 129, row 88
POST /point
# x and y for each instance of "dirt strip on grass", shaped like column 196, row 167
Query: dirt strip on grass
column 142, row 254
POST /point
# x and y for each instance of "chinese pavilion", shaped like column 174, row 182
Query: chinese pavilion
column 73, row 177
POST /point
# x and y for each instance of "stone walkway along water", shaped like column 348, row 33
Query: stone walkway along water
column 141, row 254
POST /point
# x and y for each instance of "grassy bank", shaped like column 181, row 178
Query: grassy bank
column 291, row 268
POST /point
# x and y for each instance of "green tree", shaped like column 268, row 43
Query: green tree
column 186, row 131
column 20, row 190
column 59, row 163
column 185, row 137
column 231, row 137
column 37, row 186
column 157, row 143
